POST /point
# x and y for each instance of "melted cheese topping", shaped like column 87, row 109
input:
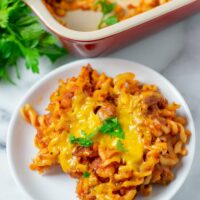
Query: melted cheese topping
column 129, row 116
column 83, row 118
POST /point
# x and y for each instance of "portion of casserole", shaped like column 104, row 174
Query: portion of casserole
column 113, row 11
column 117, row 136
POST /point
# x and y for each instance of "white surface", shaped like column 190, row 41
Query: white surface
column 82, row 20
column 21, row 134
column 174, row 52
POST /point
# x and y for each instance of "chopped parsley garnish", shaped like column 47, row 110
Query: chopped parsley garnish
column 111, row 20
column 120, row 146
column 83, row 133
column 85, row 142
column 86, row 174
column 112, row 127
column 107, row 9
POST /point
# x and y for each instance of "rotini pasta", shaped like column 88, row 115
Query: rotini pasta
column 116, row 135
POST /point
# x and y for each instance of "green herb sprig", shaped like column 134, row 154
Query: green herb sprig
column 112, row 127
column 22, row 36
column 86, row 174
column 108, row 18
column 120, row 146
column 85, row 140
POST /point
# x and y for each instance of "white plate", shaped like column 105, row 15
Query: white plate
column 57, row 185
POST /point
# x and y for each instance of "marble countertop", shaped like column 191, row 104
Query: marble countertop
column 174, row 52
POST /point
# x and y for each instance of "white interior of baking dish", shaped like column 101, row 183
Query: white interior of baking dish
column 80, row 20
column 82, row 24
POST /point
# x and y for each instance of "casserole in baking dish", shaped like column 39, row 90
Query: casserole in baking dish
column 97, row 42
column 103, row 12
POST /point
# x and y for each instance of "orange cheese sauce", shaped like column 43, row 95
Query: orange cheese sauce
column 84, row 118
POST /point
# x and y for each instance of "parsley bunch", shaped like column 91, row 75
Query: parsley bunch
column 107, row 10
column 22, row 36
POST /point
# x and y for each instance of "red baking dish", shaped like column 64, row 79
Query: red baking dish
column 99, row 42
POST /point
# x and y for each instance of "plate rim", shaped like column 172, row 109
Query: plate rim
column 67, row 66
